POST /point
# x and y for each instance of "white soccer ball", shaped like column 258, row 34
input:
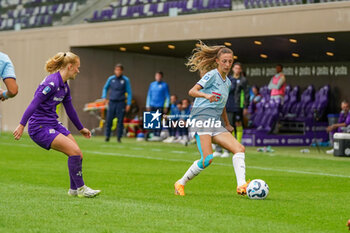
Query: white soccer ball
column 257, row 189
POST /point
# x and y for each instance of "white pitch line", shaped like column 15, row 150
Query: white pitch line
column 136, row 148
column 16, row 144
column 113, row 146
column 221, row 164
column 178, row 152
column 190, row 161
column 156, row 149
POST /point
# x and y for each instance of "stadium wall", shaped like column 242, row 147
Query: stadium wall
column 29, row 49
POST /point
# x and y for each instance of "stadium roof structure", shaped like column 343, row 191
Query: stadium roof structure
column 317, row 47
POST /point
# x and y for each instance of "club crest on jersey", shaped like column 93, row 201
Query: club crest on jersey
column 46, row 90
column 51, row 131
column 122, row 81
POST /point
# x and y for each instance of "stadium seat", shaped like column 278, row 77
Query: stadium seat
column 319, row 106
column 294, row 96
column 307, row 97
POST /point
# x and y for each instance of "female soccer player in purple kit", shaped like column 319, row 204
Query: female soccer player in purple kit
column 44, row 128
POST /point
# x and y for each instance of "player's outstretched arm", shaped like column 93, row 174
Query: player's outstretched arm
column 17, row 133
column 228, row 126
column 85, row 132
column 12, row 87
column 26, row 115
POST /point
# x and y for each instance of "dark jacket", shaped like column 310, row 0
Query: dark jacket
column 239, row 88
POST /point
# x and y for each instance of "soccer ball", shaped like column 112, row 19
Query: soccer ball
column 257, row 189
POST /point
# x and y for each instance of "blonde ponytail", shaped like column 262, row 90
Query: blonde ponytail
column 203, row 57
column 59, row 61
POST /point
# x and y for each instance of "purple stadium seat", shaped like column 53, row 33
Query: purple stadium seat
column 36, row 10
column 49, row 20
column 256, row 118
column 10, row 14
column 29, row 11
column 42, row 20
column 124, row 2
column 293, row 99
column 59, row 9
column 265, row 93
column 124, row 11
column 182, row 6
column 32, row 21
column 95, row 16
column 53, row 9
column 16, row 13
column 306, row 101
column 163, row 8
column 265, row 3
column 106, row 14
column 270, row 116
column 153, row 9
column 200, row 5
column 67, row 7
column 44, row 10
column 189, row 6
column 116, row 13
column 132, row 2
column 247, row 4
column 287, row 94
column 320, row 104
column 137, row 10
column 10, row 23
column 24, row 22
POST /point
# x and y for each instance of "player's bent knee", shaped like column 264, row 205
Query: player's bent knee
column 238, row 149
column 242, row 148
column 203, row 163
column 75, row 151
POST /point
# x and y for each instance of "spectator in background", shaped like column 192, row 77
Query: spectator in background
column 343, row 122
column 237, row 104
column 278, row 84
column 158, row 99
column 174, row 111
column 185, row 113
column 120, row 88
column 7, row 74
column 255, row 96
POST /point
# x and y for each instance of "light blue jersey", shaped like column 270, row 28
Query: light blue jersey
column 158, row 95
column 212, row 83
column 7, row 69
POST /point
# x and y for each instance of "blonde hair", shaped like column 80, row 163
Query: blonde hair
column 60, row 60
column 203, row 57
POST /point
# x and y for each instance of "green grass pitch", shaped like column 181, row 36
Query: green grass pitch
column 308, row 192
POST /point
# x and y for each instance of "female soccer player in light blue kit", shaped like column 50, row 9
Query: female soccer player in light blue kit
column 211, row 94
column 44, row 128
column 7, row 74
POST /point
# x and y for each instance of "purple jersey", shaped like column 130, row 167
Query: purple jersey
column 51, row 91
column 42, row 110
column 344, row 118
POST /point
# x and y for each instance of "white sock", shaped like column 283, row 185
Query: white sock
column 193, row 171
column 239, row 166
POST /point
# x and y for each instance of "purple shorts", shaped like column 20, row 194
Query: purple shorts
column 43, row 135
